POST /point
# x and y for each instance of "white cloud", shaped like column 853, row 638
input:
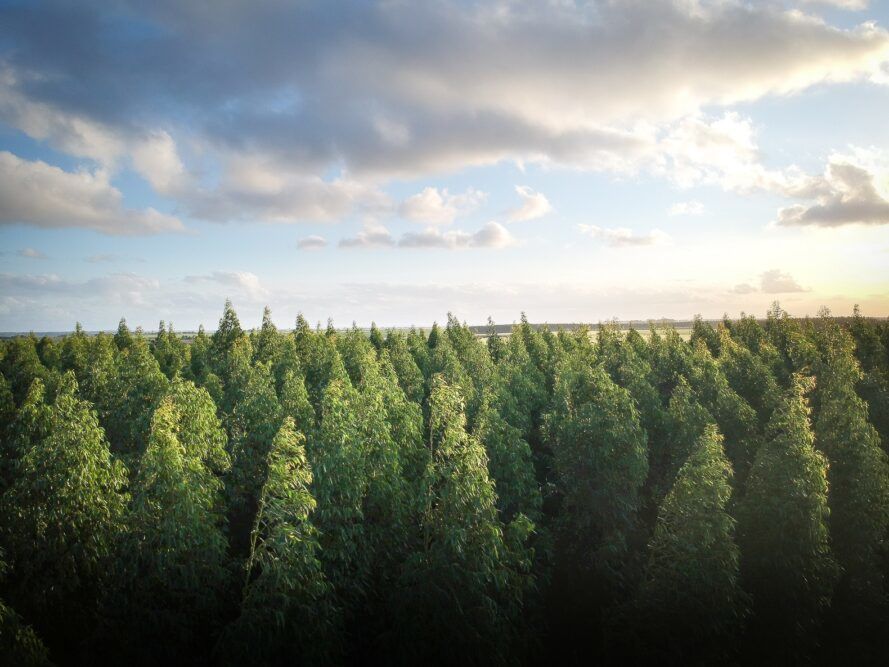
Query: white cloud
column 686, row 208
column 852, row 5
column 848, row 195
column 156, row 158
column 534, row 205
column 244, row 282
column 434, row 207
column 31, row 253
column 773, row 281
column 619, row 237
column 373, row 236
column 590, row 85
column 313, row 242
column 491, row 235
column 40, row 194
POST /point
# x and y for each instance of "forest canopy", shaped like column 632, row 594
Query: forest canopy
column 327, row 496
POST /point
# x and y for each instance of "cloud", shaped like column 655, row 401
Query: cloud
column 372, row 237
column 102, row 257
column 244, row 282
column 685, row 208
column 622, row 237
column 849, row 196
column 434, row 207
column 313, row 242
column 772, row 281
column 31, row 253
column 744, row 288
column 40, row 194
column 491, row 235
column 852, row 5
column 534, row 205
column 349, row 88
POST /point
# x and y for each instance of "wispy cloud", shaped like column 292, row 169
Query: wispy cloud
column 491, row 235
column 32, row 253
column 313, row 242
column 686, row 208
column 621, row 237
column 773, row 281
column 34, row 192
column 434, row 207
column 534, row 205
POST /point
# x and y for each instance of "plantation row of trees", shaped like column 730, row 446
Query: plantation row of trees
column 315, row 496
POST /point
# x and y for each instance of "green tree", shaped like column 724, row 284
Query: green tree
column 859, row 488
column 601, row 462
column 690, row 604
column 19, row 644
column 447, row 599
column 287, row 611
column 254, row 421
column 787, row 564
column 164, row 605
column 123, row 338
column 62, row 515
column 130, row 398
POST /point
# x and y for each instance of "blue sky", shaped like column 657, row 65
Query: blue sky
column 394, row 161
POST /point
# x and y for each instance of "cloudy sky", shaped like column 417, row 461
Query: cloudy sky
column 393, row 161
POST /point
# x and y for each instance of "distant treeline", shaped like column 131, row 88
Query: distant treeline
column 426, row 497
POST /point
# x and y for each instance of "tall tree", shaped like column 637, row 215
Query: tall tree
column 787, row 564
column 62, row 515
column 164, row 604
column 287, row 611
column 859, row 489
column 447, row 599
column 19, row 644
column 690, row 603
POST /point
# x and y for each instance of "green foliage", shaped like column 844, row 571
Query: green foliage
column 447, row 595
column 172, row 565
column 601, row 462
column 690, row 602
column 287, row 608
column 127, row 400
column 859, row 485
column 329, row 496
column 19, row 644
column 787, row 563
column 63, row 512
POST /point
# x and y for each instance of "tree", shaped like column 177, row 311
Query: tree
column 601, row 463
column 748, row 375
column 123, row 338
column 787, row 564
column 736, row 419
column 859, row 489
column 687, row 420
column 255, row 419
column 130, row 398
column 447, row 599
column 511, row 466
column 164, row 604
column 690, row 603
column 19, row 644
column 62, row 515
column 169, row 351
column 410, row 377
column 287, row 611
column 228, row 331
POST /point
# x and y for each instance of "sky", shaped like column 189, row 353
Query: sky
column 395, row 161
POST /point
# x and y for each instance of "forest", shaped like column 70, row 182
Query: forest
column 325, row 496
